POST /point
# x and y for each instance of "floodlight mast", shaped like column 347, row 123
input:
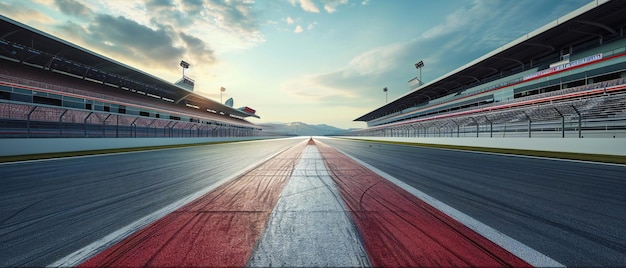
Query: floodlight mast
column 419, row 66
column 185, row 65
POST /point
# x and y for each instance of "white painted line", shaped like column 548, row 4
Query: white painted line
column 103, row 243
column 310, row 225
column 517, row 248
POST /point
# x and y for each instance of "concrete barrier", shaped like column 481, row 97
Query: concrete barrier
column 11, row 147
column 606, row 146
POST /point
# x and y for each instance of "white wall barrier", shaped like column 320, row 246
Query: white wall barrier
column 606, row 146
column 9, row 147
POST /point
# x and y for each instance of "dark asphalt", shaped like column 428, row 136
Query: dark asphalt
column 573, row 212
column 49, row 209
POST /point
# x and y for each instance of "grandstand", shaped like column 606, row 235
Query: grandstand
column 565, row 79
column 52, row 88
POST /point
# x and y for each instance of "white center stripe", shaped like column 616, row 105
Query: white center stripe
column 310, row 227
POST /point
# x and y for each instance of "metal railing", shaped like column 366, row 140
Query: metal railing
column 25, row 120
column 590, row 116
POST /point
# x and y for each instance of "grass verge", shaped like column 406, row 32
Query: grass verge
column 615, row 159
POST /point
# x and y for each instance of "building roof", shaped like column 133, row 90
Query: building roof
column 600, row 18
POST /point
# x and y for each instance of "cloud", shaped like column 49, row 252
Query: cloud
column 299, row 28
column 236, row 16
column 309, row 6
column 72, row 7
column 461, row 19
column 311, row 87
column 353, row 84
column 155, row 33
column 193, row 7
column 197, row 49
column 23, row 13
column 375, row 61
column 392, row 65
column 133, row 41
column 331, row 5
column 158, row 3
column 345, row 86
column 229, row 25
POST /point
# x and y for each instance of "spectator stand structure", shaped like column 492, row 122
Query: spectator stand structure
column 565, row 79
column 51, row 88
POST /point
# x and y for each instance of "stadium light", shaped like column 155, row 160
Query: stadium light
column 222, row 89
column 185, row 65
column 419, row 66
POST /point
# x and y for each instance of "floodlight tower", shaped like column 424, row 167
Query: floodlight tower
column 185, row 65
column 222, row 89
column 419, row 66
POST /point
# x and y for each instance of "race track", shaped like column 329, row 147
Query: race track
column 572, row 212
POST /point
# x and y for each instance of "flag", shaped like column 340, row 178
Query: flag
column 222, row 89
column 384, row 89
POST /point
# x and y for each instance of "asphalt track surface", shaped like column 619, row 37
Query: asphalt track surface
column 49, row 209
column 573, row 212
column 308, row 227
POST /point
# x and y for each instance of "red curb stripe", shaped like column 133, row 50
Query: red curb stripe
column 399, row 229
column 218, row 229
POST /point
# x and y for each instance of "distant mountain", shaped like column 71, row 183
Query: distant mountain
column 301, row 129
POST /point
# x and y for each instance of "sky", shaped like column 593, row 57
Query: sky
column 311, row 61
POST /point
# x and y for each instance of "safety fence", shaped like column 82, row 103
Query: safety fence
column 25, row 120
column 602, row 115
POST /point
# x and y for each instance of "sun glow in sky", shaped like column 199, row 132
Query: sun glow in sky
column 312, row 61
